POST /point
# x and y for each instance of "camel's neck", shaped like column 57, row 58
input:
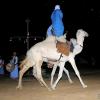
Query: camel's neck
column 80, row 40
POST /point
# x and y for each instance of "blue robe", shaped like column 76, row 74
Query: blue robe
column 1, row 70
column 1, row 67
column 14, row 73
column 57, row 24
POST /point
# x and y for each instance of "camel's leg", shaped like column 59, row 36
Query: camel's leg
column 67, row 73
column 61, row 67
column 35, row 75
column 39, row 75
column 72, row 61
column 21, row 73
column 53, row 73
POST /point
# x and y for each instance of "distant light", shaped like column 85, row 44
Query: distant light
column 35, row 38
column 62, row 0
column 24, row 42
column 10, row 39
column 19, row 39
column 92, row 9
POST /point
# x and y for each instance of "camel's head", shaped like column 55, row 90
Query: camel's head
column 81, row 32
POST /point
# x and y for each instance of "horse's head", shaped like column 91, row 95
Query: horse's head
column 81, row 32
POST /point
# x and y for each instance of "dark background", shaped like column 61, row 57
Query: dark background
column 78, row 14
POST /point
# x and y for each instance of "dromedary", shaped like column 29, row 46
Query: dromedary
column 46, row 50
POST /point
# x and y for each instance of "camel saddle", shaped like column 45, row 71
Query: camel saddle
column 63, row 47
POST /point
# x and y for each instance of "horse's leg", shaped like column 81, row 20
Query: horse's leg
column 67, row 73
column 21, row 73
column 72, row 61
column 53, row 73
column 61, row 67
column 39, row 75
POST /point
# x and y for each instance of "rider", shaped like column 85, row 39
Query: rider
column 57, row 27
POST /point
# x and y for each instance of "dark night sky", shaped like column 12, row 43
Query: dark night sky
column 77, row 14
column 83, row 14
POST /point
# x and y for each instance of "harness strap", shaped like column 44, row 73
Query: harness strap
column 60, row 57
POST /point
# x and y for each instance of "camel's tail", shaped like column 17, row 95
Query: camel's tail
column 23, row 63
column 27, row 62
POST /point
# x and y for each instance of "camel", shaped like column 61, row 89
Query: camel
column 45, row 50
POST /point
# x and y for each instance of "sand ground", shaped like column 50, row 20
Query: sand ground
column 64, row 90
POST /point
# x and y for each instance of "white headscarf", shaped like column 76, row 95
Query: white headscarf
column 57, row 7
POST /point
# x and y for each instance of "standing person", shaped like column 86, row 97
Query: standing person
column 14, row 60
column 57, row 27
column 1, row 66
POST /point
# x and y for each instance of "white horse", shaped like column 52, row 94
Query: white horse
column 77, row 48
column 45, row 50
